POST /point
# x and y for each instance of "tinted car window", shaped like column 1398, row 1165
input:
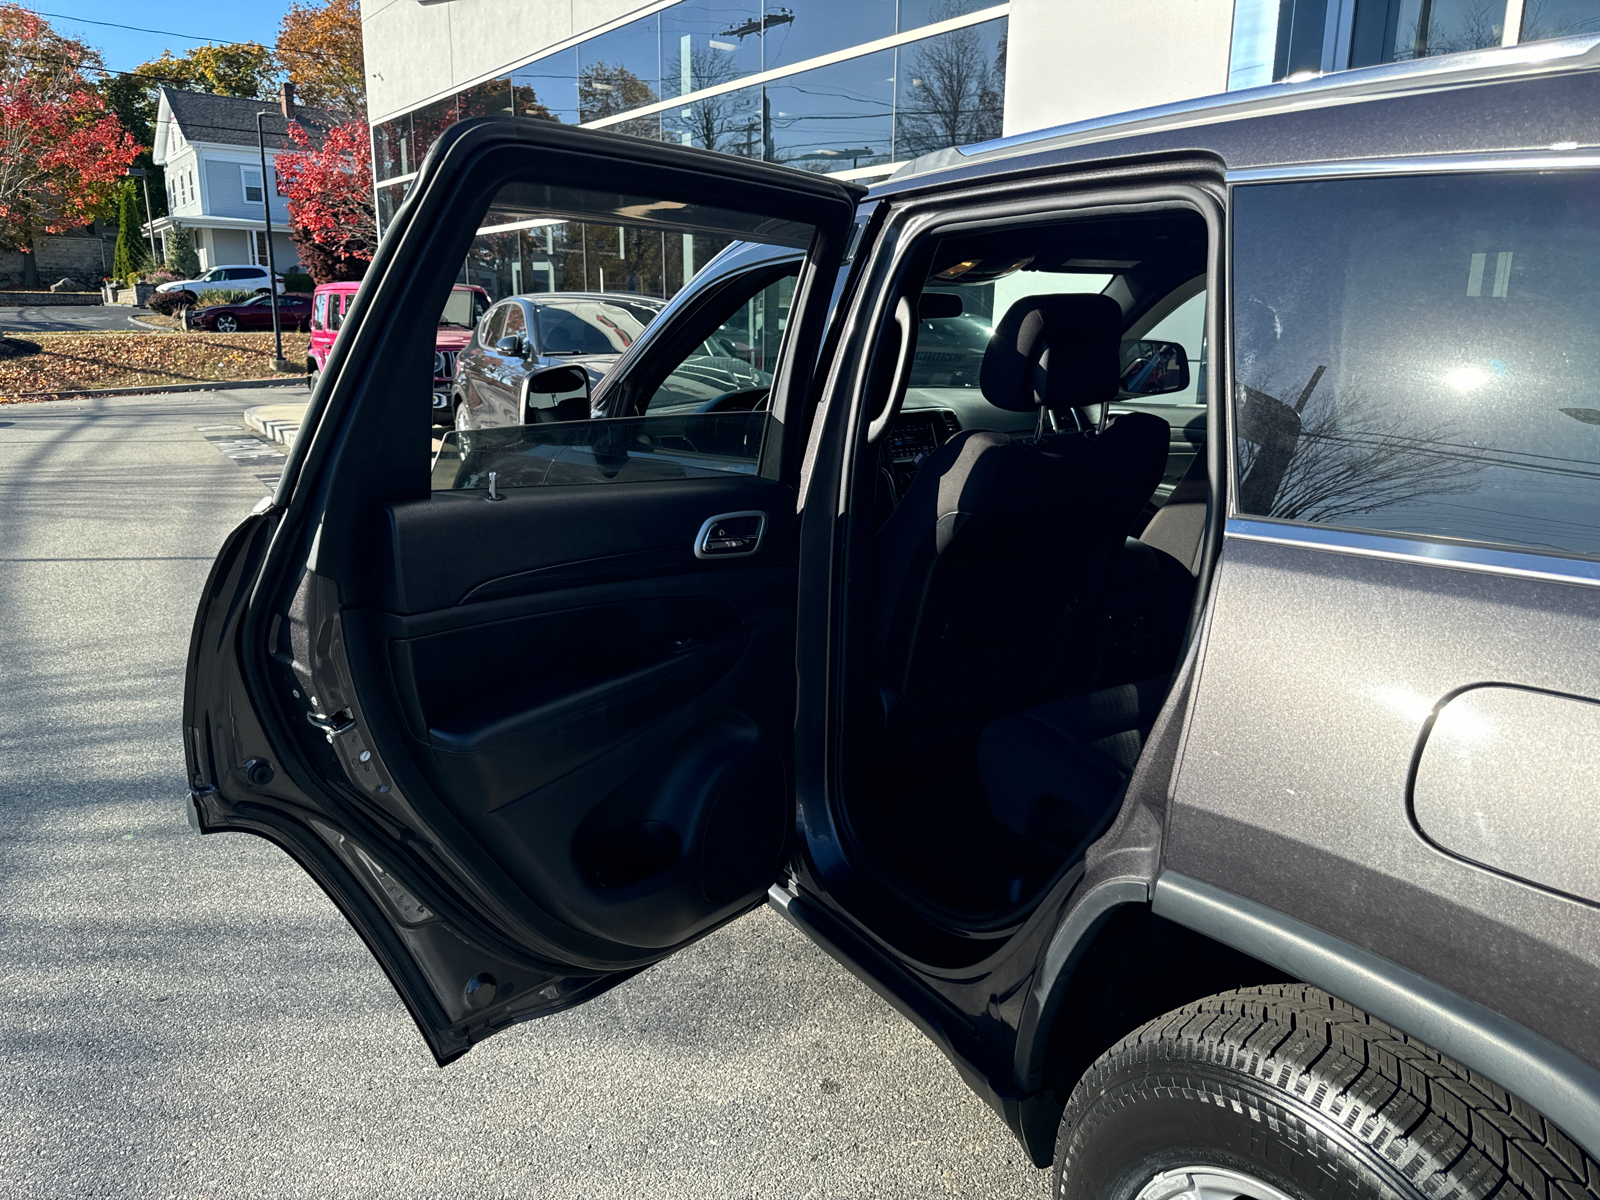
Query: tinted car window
column 489, row 331
column 462, row 308
column 516, row 324
column 320, row 320
column 1421, row 355
column 737, row 356
column 588, row 326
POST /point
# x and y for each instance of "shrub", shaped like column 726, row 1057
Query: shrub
column 130, row 255
column 167, row 304
column 158, row 276
column 221, row 296
column 298, row 281
column 181, row 258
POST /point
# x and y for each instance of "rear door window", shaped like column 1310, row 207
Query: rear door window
column 516, row 323
column 1420, row 355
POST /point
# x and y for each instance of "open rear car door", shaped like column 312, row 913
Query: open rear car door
column 521, row 699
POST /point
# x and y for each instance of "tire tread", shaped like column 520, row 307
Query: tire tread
column 1447, row 1130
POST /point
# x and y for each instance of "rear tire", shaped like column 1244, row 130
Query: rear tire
column 1284, row 1089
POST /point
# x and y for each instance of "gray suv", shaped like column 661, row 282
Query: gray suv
column 1186, row 710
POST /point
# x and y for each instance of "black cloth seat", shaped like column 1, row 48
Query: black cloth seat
column 1057, row 772
column 991, row 569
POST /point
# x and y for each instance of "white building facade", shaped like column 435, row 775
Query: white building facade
column 857, row 87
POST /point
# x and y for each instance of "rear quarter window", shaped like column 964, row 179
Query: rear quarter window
column 1421, row 355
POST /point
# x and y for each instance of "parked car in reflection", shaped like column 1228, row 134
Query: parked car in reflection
column 523, row 334
column 462, row 310
column 294, row 314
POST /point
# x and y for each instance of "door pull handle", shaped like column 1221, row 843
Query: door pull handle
column 731, row 535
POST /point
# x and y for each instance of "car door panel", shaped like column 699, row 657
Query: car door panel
column 530, row 738
column 1308, row 746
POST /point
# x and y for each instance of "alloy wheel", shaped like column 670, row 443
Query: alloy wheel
column 227, row 324
column 1208, row 1183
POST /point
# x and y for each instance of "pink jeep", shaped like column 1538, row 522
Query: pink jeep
column 466, row 304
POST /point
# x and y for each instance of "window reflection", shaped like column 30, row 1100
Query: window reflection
column 525, row 257
column 1559, row 18
column 548, row 86
column 1398, row 30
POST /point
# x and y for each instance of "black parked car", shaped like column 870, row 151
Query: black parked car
column 1188, row 718
column 294, row 313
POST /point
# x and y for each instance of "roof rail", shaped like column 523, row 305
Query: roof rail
column 1334, row 87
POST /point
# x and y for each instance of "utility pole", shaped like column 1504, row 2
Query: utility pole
column 149, row 220
column 278, row 362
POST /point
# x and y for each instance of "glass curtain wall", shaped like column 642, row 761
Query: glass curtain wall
column 823, row 96
column 1278, row 39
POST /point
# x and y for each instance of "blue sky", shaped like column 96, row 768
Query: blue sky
column 124, row 49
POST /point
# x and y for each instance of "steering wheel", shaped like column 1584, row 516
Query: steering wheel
column 754, row 399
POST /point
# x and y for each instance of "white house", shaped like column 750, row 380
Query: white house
column 214, row 187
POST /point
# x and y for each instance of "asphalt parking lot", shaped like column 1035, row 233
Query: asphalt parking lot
column 70, row 318
column 189, row 1017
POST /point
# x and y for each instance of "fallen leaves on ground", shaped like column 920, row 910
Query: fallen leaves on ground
column 82, row 361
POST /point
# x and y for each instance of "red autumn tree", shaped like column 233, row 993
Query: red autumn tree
column 329, row 189
column 62, row 151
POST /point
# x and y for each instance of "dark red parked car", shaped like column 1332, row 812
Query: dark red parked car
column 294, row 312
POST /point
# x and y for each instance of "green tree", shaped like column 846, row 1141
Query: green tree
column 605, row 91
column 130, row 256
column 182, row 261
column 134, row 103
column 246, row 69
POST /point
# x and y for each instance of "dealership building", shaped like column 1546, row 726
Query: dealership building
column 858, row 87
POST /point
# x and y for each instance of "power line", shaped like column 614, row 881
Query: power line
column 188, row 37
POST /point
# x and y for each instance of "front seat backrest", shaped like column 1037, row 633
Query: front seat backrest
column 1000, row 543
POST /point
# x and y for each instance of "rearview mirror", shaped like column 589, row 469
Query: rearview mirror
column 1154, row 368
column 509, row 345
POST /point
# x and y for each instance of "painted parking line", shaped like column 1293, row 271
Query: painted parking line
column 262, row 458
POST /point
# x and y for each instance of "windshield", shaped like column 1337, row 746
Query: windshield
column 591, row 326
column 463, row 308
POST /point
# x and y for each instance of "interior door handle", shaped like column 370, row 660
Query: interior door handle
column 731, row 535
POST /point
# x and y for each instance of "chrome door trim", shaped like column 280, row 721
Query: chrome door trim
column 1399, row 548
column 1558, row 157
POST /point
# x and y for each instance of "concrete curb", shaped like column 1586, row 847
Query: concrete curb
column 150, row 327
column 276, row 422
column 219, row 386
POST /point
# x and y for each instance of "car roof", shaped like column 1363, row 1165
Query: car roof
column 1532, row 98
column 602, row 297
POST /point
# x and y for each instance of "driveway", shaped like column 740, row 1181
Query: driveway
column 190, row 1017
column 69, row 318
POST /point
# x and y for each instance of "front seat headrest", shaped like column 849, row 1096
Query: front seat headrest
column 1055, row 352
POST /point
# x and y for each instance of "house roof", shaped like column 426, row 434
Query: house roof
column 231, row 120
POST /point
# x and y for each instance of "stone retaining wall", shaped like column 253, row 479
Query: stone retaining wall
column 41, row 299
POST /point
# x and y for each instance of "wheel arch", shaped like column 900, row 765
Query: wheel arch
column 1113, row 965
column 1556, row 1082
column 1126, row 954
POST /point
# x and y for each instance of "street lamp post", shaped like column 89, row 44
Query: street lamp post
column 149, row 221
column 278, row 362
